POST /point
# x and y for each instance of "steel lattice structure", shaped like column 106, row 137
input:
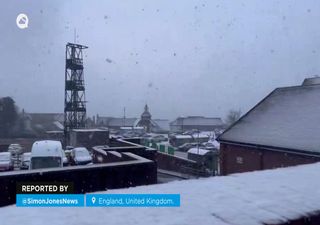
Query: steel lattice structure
column 74, row 100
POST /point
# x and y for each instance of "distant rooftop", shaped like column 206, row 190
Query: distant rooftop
column 46, row 121
column 116, row 122
column 197, row 120
column 89, row 130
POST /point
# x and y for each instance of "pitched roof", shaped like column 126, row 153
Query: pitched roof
column 116, row 122
column 287, row 118
column 163, row 124
column 196, row 121
column 45, row 117
column 47, row 121
column 122, row 122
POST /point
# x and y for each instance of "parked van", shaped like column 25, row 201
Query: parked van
column 46, row 154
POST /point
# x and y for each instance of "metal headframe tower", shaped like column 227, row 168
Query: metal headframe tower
column 74, row 98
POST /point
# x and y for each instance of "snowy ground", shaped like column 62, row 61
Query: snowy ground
column 246, row 199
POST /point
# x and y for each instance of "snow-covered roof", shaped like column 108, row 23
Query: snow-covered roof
column 43, row 118
column 198, row 151
column 46, row 148
column 116, row 122
column 287, row 118
column 58, row 124
column 254, row 198
column 163, row 124
column 194, row 136
column 197, row 121
column 131, row 128
column 89, row 130
column 182, row 136
column 122, row 122
column 45, row 121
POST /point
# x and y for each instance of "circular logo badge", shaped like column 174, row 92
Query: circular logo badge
column 22, row 21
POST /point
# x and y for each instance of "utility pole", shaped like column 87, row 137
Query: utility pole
column 75, row 35
column 124, row 116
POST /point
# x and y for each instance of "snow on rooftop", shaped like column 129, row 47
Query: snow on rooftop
column 288, row 118
column 115, row 153
column 198, row 151
column 58, row 124
column 197, row 120
column 252, row 198
column 194, row 136
column 89, row 130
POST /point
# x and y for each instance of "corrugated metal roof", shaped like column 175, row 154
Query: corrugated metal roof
column 197, row 120
column 163, row 124
column 122, row 122
column 116, row 122
column 46, row 117
column 46, row 121
column 287, row 118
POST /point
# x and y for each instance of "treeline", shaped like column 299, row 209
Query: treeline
column 11, row 120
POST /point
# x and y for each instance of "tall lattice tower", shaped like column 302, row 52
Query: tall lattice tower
column 74, row 100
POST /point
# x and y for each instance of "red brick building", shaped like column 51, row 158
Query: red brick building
column 282, row 130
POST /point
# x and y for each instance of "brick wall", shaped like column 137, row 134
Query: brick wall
column 238, row 159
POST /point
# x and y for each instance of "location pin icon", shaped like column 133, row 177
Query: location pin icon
column 93, row 199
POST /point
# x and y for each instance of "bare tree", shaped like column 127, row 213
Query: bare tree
column 8, row 115
column 233, row 116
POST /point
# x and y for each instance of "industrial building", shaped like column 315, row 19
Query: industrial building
column 115, row 122
column 201, row 123
column 282, row 130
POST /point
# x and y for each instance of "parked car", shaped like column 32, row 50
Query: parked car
column 80, row 156
column 6, row 161
column 46, row 154
column 25, row 161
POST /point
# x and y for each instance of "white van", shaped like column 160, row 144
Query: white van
column 46, row 154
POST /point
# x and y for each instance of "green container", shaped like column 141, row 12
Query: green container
column 154, row 145
column 170, row 150
column 162, row 148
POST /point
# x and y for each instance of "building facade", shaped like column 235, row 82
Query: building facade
column 201, row 123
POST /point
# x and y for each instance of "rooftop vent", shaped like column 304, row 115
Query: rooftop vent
column 311, row 81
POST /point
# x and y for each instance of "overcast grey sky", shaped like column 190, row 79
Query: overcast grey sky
column 181, row 57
